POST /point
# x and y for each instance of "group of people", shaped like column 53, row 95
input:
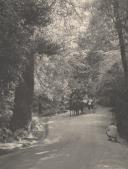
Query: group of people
column 78, row 101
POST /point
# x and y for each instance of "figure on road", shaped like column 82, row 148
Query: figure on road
column 111, row 132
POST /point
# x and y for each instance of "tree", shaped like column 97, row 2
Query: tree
column 107, row 30
column 119, row 27
column 116, row 10
column 24, row 91
column 19, row 20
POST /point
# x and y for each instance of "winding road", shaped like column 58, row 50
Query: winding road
column 72, row 143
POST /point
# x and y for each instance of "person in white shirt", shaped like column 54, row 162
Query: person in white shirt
column 112, row 132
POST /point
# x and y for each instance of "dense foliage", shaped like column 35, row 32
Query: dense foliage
column 49, row 48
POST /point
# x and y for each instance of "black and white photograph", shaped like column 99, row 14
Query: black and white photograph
column 63, row 84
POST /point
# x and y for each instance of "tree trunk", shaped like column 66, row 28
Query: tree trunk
column 123, row 57
column 119, row 28
column 24, row 98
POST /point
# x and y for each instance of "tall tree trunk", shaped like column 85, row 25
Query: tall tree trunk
column 24, row 98
column 119, row 28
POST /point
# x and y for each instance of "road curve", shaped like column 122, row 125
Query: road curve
column 72, row 143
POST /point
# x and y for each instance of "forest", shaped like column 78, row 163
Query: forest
column 48, row 48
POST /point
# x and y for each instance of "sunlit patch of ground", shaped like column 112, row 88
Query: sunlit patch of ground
column 43, row 152
column 109, row 166
column 49, row 122
column 52, row 141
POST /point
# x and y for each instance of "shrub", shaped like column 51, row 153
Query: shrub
column 6, row 135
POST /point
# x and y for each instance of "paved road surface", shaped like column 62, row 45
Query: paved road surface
column 72, row 143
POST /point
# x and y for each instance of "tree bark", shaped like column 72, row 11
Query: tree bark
column 23, row 102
